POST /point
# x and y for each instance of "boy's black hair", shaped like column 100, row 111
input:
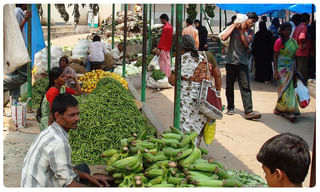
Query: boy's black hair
column 164, row 16
column 189, row 21
column 287, row 152
column 96, row 38
column 252, row 15
column 305, row 17
column 61, row 102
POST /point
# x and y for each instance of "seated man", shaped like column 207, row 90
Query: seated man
column 48, row 161
column 285, row 160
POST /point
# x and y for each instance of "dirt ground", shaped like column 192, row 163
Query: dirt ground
column 236, row 143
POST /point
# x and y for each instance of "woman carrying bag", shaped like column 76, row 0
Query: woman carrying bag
column 193, row 71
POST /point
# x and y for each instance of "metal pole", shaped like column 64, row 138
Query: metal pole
column 29, row 75
column 113, row 24
column 220, row 20
column 149, row 31
column 125, row 40
column 289, row 15
column 172, row 12
column 201, row 14
column 225, row 18
column 177, row 90
column 144, row 53
column 49, row 38
column 312, row 16
column 154, row 11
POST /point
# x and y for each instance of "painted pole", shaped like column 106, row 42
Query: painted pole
column 172, row 12
column 177, row 90
column 49, row 38
column 201, row 13
column 225, row 18
column 29, row 75
column 149, row 30
column 220, row 24
column 113, row 24
column 125, row 40
column 144, row 53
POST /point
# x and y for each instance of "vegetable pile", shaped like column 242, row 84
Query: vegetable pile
column 148, row 60
column 172, row 161
column 38, row 90
column 130, row 70
column 90, row 80
column 107, row 115
column 157, row 75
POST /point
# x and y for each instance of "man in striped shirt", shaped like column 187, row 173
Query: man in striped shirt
column 48, row 161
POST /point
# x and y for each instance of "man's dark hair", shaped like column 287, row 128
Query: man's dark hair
column 19, row 5
column 164, row 16
column 196, row 21
column 305, row 17
column 264, row 18
column 296, row 18
column 252, row 15
column 61, row 102
column 287, row 152
column 96, row 38
column 189, row 21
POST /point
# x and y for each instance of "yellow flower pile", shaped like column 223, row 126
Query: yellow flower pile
column 90, row 80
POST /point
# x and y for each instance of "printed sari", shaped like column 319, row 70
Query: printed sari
column 287, row 100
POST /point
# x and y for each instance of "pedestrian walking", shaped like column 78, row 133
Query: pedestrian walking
column 301, row 36
column 237, row 68
column 284, row 71
column 274, row 28
column 294, row 21
column 262, row 51
column 164, row 46
column 191, row 119
column 190, row 30
column 203, row 35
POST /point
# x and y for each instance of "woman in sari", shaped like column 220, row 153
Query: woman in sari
column 57, row 81
column 191, row 119
column 284, row 71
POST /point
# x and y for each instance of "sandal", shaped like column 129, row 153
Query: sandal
column 276, row 112
column 253, row 115
column 230, row 112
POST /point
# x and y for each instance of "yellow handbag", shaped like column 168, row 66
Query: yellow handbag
column 209, row 132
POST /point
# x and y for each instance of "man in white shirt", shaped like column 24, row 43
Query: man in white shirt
column 97, row 53
column 117, row 54
column 48, row 161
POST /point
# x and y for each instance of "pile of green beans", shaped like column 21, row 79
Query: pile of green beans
column 107, row 115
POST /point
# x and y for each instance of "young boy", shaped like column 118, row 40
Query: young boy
column 285, row 160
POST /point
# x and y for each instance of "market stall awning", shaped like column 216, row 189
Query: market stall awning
column 261, row 9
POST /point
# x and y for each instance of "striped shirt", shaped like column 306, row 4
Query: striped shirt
column 48, row 161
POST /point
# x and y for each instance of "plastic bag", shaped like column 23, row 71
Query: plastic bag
column 15, row 50
column 209, row 132
column 240, row 18
column 161, row 83
column 302, row 93
column 154, row 63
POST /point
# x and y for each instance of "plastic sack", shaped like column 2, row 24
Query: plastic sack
column 161, row 83
column 19, row 114
column 302, row 93
column 15, row 50
column 154, row 63
column 240, row 19
column 209, row 132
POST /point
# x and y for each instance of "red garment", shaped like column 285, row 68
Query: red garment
column 300, row 35
column 278, row 45
column 166, row 37
column 53, row 92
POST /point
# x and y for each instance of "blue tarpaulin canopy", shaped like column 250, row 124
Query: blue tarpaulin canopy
column 261, row 9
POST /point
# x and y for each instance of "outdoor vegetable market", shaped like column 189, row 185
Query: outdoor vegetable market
column 122, row 95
